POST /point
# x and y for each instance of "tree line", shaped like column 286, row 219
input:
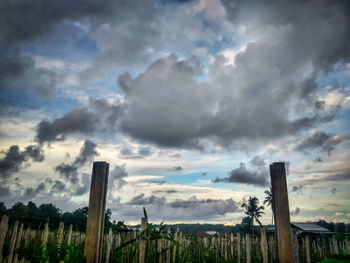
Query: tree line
column 35, row 216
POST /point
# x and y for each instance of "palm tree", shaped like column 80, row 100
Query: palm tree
column 253, row 210
column 269, row 201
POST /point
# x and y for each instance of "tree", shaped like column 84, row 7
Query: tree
column 253, row 210
column 49, row 212
column 19, row 212
column 269, row 201
column 3, row 210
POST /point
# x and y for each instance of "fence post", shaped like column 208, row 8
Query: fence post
column 3, row 230
column 247, row 247
column 281, row 205
column 307, row 244
column 109, row 244
column 13, row 242
column 238, row 248
column 60, row 233
column 96, row 212
column 264, row 245
column 143, row 242
column 69, row 240
column 18, row 242
column 295, row 246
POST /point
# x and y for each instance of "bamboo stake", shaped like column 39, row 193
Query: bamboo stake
column 18, row 242
column 159, row 250
column 3, row 230
column 168, row 248
column 69, row 240
column 247, row 247
column 13, row 242
column 109, row 244
column 231, row 246
column 143, row 243
column 238, row 248
column 264, row 246
column 174, row 248
column 60, row 233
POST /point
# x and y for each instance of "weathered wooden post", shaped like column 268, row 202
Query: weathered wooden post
column 69, row 240
column 143, row 242
column 307, row 243
column 3, row 230
column 281, row 205
column 96, row 213
column 238, row 248
column 264, row 245
column 247, row 247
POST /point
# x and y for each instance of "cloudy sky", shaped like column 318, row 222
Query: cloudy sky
column 189, row 102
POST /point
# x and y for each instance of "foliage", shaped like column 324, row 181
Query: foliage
column 3, row 210
column 253, row 210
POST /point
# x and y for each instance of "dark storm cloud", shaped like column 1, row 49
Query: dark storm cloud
column 253, row 100
column 243, row 175
column 142, row 200
column 315, row 140
column 321, row 140
column 58, row 187
column 42, row 16
column 18, row 72
column 14, row 159
column 31, row 192
column 297, row 189
column 117, row 177
column 100, row 116
column 4, row 191
column 70, row 171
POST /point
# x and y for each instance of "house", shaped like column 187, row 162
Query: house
column 310, row 228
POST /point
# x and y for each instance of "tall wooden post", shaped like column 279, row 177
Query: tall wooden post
column 281, row 206
column 143, row 242
column 96, row 213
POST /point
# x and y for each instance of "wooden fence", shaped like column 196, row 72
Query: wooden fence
column 186, row 248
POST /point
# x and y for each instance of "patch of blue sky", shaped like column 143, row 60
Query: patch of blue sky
column 339, row 75
column 192, row 178
column 66, row 42
column 19, row 99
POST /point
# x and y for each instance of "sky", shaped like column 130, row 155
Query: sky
column 188, row 101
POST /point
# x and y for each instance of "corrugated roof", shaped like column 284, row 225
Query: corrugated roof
column 311, row 227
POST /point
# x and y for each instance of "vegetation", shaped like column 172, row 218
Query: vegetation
column 33, row 216
column 253, row 211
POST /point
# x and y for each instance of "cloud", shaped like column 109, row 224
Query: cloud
column 70, row 171
column 14, row 159
column 177, row 168
column 295, row 212
column 159, row 208
column 142, row 200
column 244, row 176
column 117, row 176
column 99, row 116
column 31, row 192
column 333, row 190
column 321, row 140
column 297, row 189
column 19, row 73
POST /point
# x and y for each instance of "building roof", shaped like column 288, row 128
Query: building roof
column 311, row 228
